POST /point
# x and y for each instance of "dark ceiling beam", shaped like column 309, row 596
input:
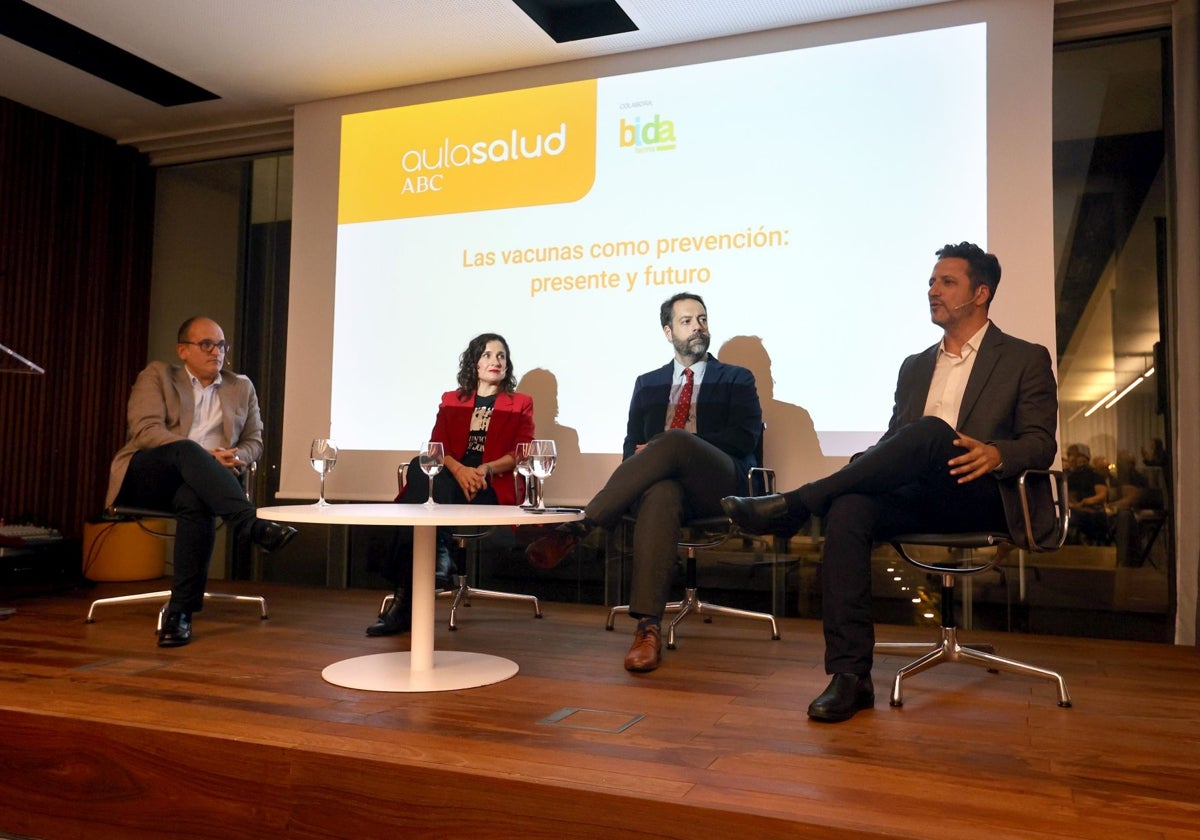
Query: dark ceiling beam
column 577, row 20
column 41, row 31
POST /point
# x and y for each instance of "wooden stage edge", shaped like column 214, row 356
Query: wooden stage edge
column 104, row 735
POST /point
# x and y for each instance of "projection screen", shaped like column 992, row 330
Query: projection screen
column 799, row 180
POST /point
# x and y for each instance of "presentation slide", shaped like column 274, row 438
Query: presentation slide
column 799, row 180
column 805, row 213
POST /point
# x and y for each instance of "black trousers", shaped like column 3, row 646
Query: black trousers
column 901, row 485
column 396, row 566
column 185, row 479
column 676, row 477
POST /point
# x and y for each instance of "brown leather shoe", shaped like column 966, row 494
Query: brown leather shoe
column 646, row 651
column 548, row 551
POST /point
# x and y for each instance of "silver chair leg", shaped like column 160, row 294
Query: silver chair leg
column 165, row 596
column 673, row 607
column 949, row 650
column 241, row 599
column 692, row 604
column 162, row 595
column 464, row 593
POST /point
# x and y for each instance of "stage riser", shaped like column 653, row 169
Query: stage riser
column 63, row 778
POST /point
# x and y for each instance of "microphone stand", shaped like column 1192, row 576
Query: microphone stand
column 30, row 367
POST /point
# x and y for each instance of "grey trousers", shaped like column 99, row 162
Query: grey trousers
column 674, row 478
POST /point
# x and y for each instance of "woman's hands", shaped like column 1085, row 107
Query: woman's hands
column 471, row 479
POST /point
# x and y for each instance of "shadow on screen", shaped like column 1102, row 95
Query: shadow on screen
column 542, row 386
column 790, row 445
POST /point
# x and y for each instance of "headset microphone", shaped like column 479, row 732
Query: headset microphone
column 961, row 305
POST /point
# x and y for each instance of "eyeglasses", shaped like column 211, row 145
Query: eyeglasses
column 209, row 346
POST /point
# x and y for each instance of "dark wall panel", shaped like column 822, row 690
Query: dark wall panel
column 76, row 216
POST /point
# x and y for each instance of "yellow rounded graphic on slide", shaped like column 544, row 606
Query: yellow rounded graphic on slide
column 513, row 149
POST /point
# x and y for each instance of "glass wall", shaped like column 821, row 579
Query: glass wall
column 1111, row 187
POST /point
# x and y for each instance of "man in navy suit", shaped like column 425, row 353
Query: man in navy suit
column 680, row 458
column 972, row 413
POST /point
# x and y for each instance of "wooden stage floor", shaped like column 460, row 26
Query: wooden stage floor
column 103, row 735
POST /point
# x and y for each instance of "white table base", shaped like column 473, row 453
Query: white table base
column 421, row 668
column 451, row 670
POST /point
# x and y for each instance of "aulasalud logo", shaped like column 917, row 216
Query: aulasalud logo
column 656, row 135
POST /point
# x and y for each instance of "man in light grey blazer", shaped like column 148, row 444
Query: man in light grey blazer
column 192, row 431
column 971, row 414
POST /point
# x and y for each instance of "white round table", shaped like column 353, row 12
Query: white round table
column 421, row 668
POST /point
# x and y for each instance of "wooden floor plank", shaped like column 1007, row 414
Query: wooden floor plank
column 238, row 736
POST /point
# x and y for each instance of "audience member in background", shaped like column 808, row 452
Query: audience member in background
column 1130, row 482
column 1154, row 455
column 1087, row 494
column 690, row 439
column 193, row 429
column 479, row 424
column 971, row 414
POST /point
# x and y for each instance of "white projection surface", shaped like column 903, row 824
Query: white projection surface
column 801, row 193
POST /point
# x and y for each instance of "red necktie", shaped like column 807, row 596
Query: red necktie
column 684, row 406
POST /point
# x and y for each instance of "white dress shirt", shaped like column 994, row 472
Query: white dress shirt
column 207, row 422
column 950, row 375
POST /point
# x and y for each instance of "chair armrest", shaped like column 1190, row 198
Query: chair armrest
column 248, row 476
column 765, row 477
column 1058, row 490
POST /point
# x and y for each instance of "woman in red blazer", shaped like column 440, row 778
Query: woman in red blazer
column 479, row 425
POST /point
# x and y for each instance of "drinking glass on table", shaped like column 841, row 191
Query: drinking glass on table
column 525, row 469
column 431, row 458
column 322, row 455
column 542, row 454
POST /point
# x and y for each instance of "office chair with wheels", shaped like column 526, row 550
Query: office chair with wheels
column 138, row 515
column 961, row 563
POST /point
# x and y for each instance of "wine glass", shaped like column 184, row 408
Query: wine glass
column 525, row 469
column 323, row 456
column 431, row 459
column 542, row 454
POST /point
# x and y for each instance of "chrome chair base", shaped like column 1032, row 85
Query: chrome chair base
column 463, row 593
column 165, row 596
column 690, row 604
column 949, row 650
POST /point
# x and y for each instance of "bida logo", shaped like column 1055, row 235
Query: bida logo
column 656, row 135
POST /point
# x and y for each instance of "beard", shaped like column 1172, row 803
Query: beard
column 692, row 346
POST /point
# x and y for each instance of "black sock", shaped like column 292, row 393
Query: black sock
column 645, row 622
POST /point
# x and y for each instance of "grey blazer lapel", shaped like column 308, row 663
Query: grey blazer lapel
column 981, row 371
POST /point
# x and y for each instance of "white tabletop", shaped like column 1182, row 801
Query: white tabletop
column 393, row 513
column 420, row 668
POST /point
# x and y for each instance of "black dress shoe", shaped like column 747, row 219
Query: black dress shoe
column 397, row 618
column 176, row 630
column 271, row 536
column 764, row 514
column 846, row 694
